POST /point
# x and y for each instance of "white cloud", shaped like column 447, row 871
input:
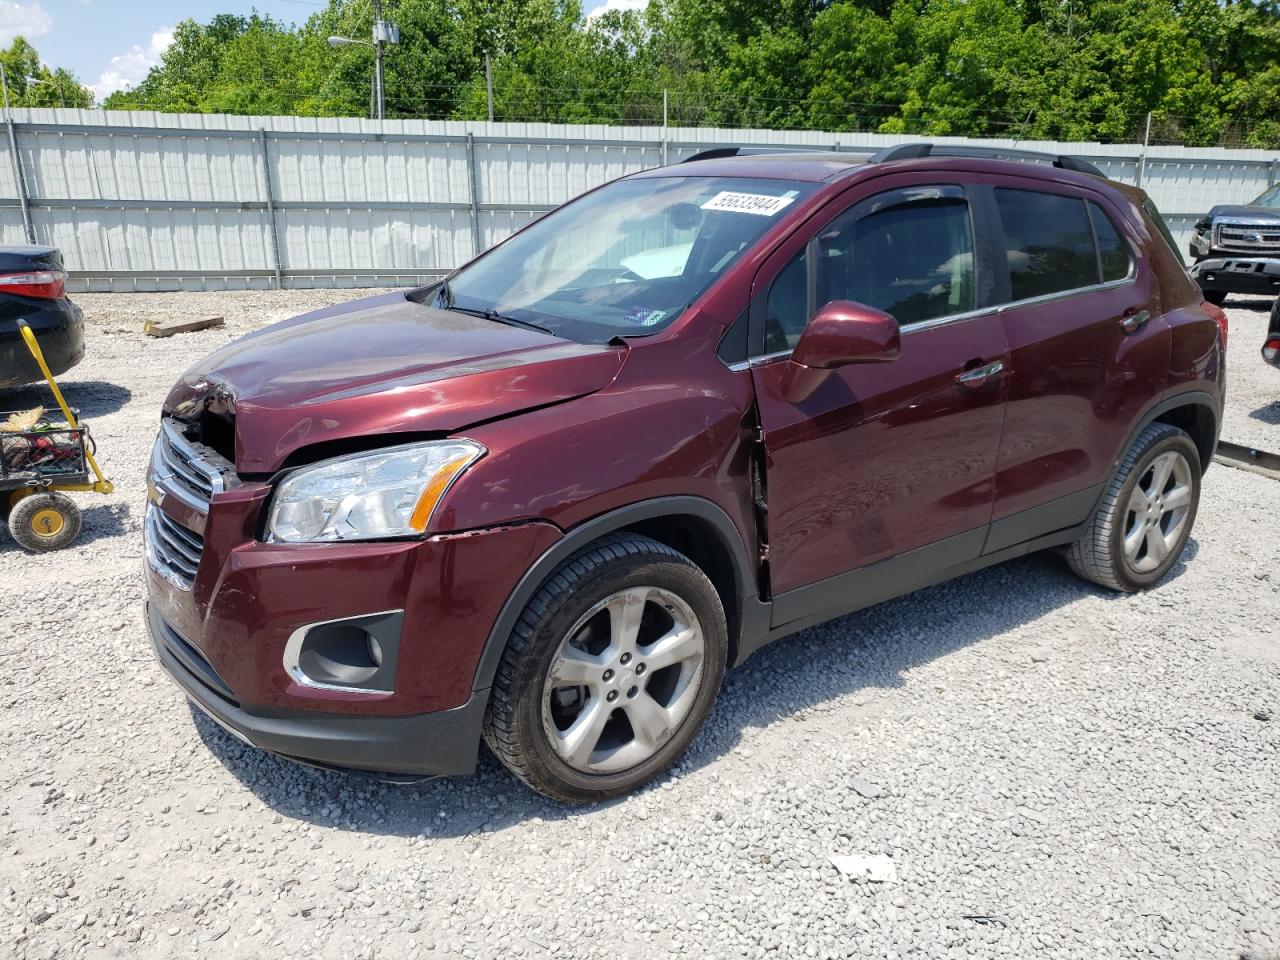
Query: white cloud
column 23, row 20
column 126, row 69
column 617, row 5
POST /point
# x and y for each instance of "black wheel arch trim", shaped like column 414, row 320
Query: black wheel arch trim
column 753, row 613
column 1183, row 398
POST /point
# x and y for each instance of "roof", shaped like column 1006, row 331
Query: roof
column 820, row 165
column 814, row 166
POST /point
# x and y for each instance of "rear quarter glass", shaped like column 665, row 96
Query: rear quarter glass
column 1157, row 221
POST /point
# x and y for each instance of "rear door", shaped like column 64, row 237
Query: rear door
column 1087, row 345
column 883, row 458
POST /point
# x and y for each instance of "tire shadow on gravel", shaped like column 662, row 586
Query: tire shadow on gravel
column 868, row 651
column 92, row 398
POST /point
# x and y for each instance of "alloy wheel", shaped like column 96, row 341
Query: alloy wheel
column 1157, row 512
column 623, row 680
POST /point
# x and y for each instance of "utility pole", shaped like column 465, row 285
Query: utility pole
column 665, row 134
column 1142, row 158
column 488, row 83
column 18, row 180
column 379, row 32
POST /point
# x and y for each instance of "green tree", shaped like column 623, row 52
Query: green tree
column 1206, row 70
column 32, row 84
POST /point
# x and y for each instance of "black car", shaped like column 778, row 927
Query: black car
column 33, row 287
column 1271, row 346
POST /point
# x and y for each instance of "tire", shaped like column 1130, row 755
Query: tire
column 1216, row 297
column 1115, row 552
column 43, row 522
column 568, row 741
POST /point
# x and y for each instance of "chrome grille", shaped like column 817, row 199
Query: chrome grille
column 1258, row 238
column 172, row 550
column 175, row 458
column 192, row 474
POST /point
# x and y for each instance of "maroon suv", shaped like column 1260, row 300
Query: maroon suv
column 547, row 501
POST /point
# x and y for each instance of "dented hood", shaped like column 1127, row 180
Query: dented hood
column 381, row 366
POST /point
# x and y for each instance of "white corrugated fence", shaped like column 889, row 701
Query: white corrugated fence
column 162, row 201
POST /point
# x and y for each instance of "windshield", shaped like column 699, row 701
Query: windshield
column 625, row 260
column 1270, row 198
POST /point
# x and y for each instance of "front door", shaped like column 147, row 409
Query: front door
column 883, row 459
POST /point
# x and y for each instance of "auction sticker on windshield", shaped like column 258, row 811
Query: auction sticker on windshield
column 758, row 203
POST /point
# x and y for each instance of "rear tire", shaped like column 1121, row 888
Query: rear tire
column 1142, row 524
column 610, row 672
column 1216, row 297
column 43, row 522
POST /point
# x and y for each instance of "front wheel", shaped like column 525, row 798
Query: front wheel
column 610, row 672
column 1142, row 524
column 1216, row 297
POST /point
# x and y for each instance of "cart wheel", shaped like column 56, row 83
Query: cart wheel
column 44, row 521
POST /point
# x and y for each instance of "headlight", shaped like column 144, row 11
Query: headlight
column 368, row 496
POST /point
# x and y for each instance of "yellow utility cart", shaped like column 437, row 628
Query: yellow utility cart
column 41, row 460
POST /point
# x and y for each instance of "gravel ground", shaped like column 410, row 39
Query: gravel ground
column 1054, row 771
column 1253, row 387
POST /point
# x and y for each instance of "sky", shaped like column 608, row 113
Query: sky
column 111, row 44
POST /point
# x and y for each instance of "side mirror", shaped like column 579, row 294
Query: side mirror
column 840, row 333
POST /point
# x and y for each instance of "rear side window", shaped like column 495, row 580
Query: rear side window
column 913, row 260
column 1113, row 253
column 1049, row 242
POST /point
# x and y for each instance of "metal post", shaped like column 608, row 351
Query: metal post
column 271, row 208
column 488, row 84
column 664, row 126
column 474, row 194
column 377, row 53
column 17, row 161
column 1142, row 157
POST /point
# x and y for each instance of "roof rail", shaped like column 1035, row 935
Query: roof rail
column 915, row 151
column 716, row 153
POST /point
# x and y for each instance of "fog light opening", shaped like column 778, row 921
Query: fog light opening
column 356, row 654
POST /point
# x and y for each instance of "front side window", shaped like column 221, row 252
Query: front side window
column 908, row 253
column 913, row 260
column 1049, row 242
column 625, row 260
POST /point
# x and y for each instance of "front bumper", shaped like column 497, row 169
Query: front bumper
column 1226, row 273
column 224, row 634
column 443, row 743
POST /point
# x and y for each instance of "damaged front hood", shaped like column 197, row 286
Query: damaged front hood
column 381, row 366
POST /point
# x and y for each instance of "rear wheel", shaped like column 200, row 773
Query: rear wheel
column 44, row 521
column 610, row 672
column 1142, row 524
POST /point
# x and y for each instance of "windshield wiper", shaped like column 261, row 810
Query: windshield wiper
column 446, row 297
